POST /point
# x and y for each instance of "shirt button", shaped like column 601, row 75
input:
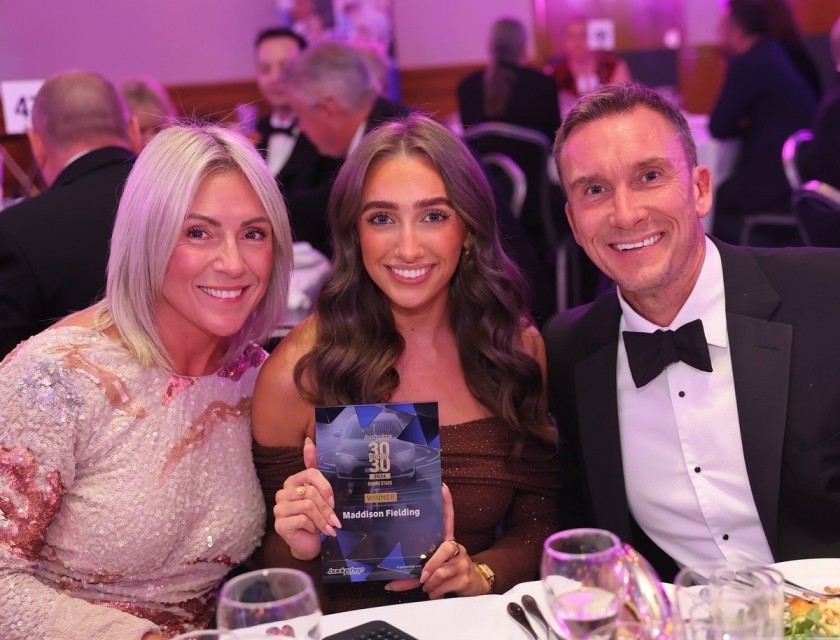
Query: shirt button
column 696, row 469
column 726, row 536
column 682, row 394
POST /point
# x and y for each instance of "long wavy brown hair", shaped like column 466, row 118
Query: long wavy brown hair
column 357, row 344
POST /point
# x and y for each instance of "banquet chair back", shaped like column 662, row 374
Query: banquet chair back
column 792, row 156
column 817, row 208
column 531, row 151
column 510, row 177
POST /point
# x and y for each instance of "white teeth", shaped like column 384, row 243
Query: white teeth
column 638, row 245
column 219, row 293
column 411, row 274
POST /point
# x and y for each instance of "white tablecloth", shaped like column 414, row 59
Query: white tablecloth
column 311, row 269
column 476, row 618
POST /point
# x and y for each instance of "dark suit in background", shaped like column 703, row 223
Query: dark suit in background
column 764, row 99
column 821, row 159
column 782, row 326
column 305, row 167
column 533, row 101
column 54, row 247
column 308, row 207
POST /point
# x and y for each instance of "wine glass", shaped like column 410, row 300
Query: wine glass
column 585, row 580
column 278, row 602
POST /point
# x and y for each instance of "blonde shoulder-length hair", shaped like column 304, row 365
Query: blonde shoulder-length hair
column 157, row 196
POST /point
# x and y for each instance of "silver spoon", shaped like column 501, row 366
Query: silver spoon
column 533, row 608
column 518, row 614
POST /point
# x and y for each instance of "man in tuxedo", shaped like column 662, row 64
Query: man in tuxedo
column 292, row 158
column 54, row 247
column 336, row 99
column 717, row 436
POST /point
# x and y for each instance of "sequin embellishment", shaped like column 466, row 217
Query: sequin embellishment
column 252, row 356
column 175, row 386
column 202, row 427
column 28, row 502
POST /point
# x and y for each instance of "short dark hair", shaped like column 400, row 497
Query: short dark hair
column 614, row 99
column 280, row 32
column 750, row 16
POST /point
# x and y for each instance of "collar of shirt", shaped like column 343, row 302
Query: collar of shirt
column 282, row 123
column 706, row 302
column 357, row 137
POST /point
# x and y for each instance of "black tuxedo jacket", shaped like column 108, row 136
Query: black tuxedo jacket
column 305, row 168
column 54, row 247
column 308, row 207
column 821, row 159
column 783, row 316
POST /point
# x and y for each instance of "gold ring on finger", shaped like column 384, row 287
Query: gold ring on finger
column 457, row 549
column 301, row 491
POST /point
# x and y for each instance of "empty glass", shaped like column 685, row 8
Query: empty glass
column 714, row 584
column 270, row 602
column 623, row 631
column 585, row 580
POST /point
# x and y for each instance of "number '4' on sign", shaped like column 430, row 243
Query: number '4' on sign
column 17, row 97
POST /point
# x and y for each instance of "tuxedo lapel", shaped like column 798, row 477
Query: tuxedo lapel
column 760, row 350
column 597, row 402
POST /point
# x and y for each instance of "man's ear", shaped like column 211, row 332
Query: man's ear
column 135, row 138
column 38, row 147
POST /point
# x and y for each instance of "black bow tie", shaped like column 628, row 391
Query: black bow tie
column 649, row 353
column 289, row 131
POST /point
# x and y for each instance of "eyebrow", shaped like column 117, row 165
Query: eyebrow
column 642, row 164
column 216, row 223
column 420, row 204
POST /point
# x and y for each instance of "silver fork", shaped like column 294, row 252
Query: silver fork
column 808, row 590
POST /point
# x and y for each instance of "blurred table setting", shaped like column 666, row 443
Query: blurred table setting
column 310, row 271
column 593, row 587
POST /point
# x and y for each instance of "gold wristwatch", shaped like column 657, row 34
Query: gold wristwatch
column 486, row 573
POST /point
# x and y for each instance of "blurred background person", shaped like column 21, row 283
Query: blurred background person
column 783, row 26
column 821, row 158
column 113, row 416
column 292, row 158
column 508, row 91
column 583, row 69
column 336, row 100
column 54, row 247
column 149, row 103
column 420, row 286
column 763, row 100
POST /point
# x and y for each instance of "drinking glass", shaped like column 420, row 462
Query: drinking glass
column 280, row 602
column 585, row 580
column 762, row 587
column 732, row 617
column 623, row 631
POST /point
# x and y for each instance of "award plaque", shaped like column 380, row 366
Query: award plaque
column 383, row 462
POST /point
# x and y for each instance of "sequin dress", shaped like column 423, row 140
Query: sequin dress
column 126, row 493
column 504, row 509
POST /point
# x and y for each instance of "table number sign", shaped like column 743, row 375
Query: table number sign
column 18, row 96
column 383, row 462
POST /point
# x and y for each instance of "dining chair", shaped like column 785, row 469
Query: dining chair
column 816, row 206
column 792, row 156
column 531, row 151
column 511, row 178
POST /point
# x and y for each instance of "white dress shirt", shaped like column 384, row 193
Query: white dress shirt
column 280, row 145
column 684, row 469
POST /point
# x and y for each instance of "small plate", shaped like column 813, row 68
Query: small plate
column 814, row 573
